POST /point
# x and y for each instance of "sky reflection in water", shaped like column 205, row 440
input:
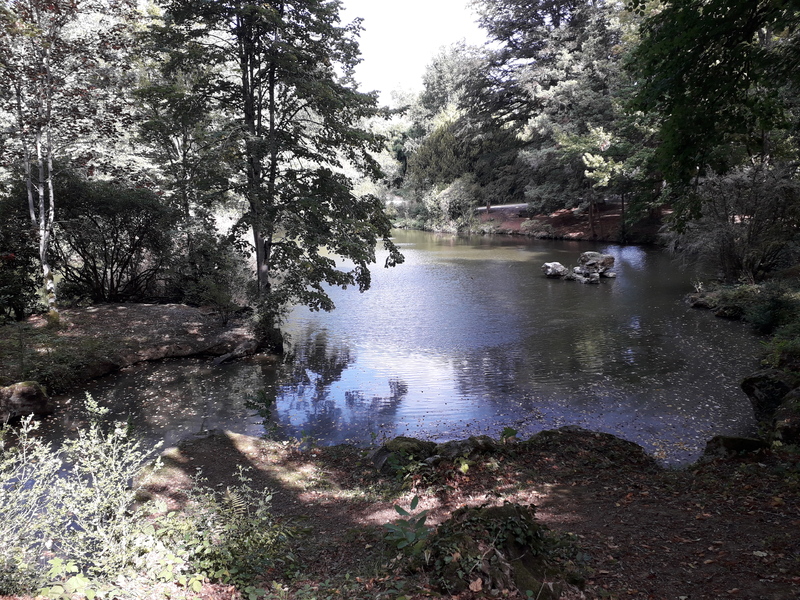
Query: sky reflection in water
column 467, row 337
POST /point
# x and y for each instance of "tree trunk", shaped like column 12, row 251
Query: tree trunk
column 41, row 206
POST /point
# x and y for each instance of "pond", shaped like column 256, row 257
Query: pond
column 468, row 337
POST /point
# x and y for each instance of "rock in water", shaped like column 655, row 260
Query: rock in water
column 555, row 270
column 592, row 266
column 24, row 398
column 766, row 390
column 595, row 262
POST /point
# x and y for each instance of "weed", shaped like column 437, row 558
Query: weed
column 409, row 533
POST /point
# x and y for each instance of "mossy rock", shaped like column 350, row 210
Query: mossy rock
column 411, row 447
column 400, row 452
column 495, row 548
column 590, row 448
column 472, row 446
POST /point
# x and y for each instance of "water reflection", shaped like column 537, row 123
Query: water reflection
column 468, row 337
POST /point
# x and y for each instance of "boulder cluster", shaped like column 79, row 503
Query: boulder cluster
column 591, row 267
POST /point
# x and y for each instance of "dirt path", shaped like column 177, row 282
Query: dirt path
column 607, row 225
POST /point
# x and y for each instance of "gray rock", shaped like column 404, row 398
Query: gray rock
column 22, row 399
column 554, row 270
column 474, row 445
column 597, row 262
column 592, row 266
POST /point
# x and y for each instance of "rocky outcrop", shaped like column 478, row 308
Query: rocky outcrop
column 591, row 267
column 767, row 390
column 22, row 399
column 775, row 396
column 595, row 262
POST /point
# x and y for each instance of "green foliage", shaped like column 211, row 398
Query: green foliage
column 718, row 74
column 776, row 306
column 748, row 223
column 207, row 270
column 78, row 506
column 452, row 208
column 230, row 537
column 300, row 123
column 482, row 543
column 441, row 158
column 28, row 471
column 508, row 434
column 92, row 501
column 112, row 240
column 410, row 532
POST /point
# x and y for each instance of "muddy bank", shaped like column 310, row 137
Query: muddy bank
column 606, row 225
column 98, row 340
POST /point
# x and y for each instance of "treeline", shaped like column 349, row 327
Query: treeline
column 146, row 155
column 685, row 105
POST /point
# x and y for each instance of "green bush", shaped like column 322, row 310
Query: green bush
column 230, row 536
column 774, row 307
column 783, row 349
column 72, row 523
column 20, row 269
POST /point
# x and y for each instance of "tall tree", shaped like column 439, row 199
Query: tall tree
column 550, row 79
column 58, row 61
column 286, row 76
column 723, row 76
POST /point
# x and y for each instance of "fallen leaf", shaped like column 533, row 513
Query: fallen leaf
column 476, row 586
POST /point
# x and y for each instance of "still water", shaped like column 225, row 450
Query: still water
column 468, row 337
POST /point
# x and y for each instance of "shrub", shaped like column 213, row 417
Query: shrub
column 78, row 507
column 749, row 223
column 230, row 536
column 112, row 240
column 28, row 471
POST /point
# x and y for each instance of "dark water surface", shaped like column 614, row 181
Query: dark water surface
column 468, row 337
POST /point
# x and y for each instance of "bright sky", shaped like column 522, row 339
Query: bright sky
column 401, row 38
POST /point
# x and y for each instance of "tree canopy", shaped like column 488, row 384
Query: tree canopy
column 284, row 75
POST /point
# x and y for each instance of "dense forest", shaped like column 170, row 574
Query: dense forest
column 147, row 151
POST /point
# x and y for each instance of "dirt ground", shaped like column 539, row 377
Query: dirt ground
column 606, row 226
column 724, row 529
column 103, row 338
